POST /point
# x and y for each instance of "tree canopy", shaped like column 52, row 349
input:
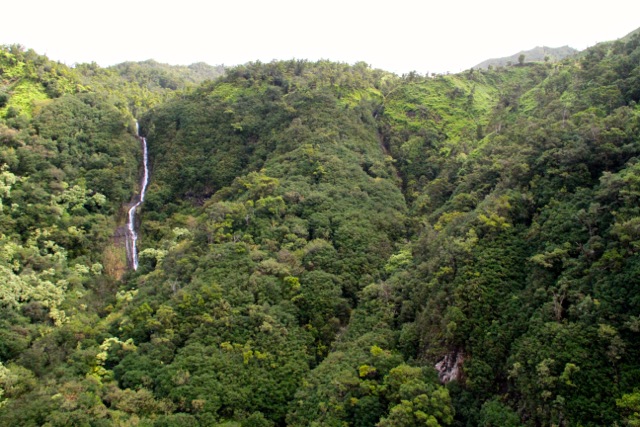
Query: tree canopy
column 321, row 244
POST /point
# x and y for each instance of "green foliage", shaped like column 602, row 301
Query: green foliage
column 494, row 413
column 630, row 403
column 316, row 237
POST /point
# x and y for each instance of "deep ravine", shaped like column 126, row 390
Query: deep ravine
column 132, row 235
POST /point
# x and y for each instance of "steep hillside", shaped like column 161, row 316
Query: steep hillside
column 631, row 35
column 68, row 162
column 514, row 275
column 323, row 244
column 154, row 74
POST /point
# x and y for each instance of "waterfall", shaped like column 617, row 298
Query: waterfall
column 132, row 236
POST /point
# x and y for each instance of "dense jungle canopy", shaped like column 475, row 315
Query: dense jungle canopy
column 321, row 244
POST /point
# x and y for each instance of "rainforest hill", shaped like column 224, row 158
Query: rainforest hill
column 321, row 244
column 537, row 54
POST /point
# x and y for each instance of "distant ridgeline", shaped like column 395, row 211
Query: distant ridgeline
column 322, row 244
column 537, row 54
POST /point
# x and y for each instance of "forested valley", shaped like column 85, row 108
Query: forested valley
column 321, row 244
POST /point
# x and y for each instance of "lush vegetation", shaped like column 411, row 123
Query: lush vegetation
column 537, row 54
column 322, row 244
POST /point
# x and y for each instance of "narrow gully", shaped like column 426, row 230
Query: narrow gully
column 132, row 235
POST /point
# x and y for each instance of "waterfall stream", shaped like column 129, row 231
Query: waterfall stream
column 132, row 235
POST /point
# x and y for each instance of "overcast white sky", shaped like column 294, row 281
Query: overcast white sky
column 396, row 35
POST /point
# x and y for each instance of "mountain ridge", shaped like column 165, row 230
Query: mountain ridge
column 537, row 54
column 322, row 244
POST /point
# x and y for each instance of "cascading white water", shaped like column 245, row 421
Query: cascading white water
column 132, row 236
